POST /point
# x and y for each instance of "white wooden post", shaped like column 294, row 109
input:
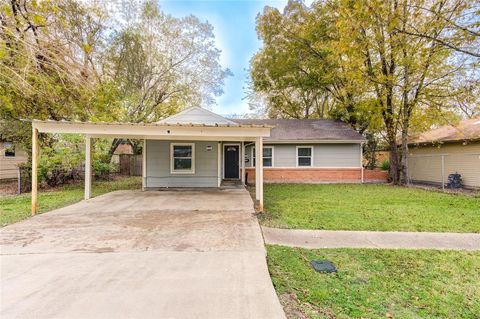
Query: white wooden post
column 88, row 167
column 219, row 163
column 34, row 169
column 259, row 172
column 144, row 165
column 242, row 163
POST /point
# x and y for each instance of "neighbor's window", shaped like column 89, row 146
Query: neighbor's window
column 267, row 156
column 304, row 155
column 9, row 150
column 183, row 158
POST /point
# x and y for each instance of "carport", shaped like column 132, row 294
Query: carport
column 177, row 129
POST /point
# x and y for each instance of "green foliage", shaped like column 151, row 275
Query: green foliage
column 370, row 150
column 163, row 64
column 291, row 74
column 45, row 73
column 102, row 170
column 386, row 67
column 385, row 165
column 62, row 159
column 61, row 162
column 71, row 60
column 379, row 283
column 368, row 207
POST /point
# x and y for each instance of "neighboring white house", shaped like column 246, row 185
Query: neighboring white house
column 435, row 154
column 11, row 156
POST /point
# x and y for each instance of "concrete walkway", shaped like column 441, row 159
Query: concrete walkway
column 133, row 254
column 370, row 239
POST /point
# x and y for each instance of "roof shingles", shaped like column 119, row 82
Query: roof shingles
column 306, row 130
column 464, row 131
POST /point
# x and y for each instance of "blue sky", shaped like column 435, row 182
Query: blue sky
column 234, row 28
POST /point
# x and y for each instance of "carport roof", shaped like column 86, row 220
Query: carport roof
column 156, row 124
column 170, row 131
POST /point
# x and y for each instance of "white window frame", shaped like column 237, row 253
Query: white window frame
column 273, row 155
column 311, row 156
column 172, row 170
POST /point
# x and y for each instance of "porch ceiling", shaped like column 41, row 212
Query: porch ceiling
column 218, row 132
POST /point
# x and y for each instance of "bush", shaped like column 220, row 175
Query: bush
column 61, row 161
column 385, row 166
column 102, row 170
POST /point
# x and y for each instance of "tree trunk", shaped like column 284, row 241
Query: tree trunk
column 113, row 147
column 404, row 159
column 394, row 168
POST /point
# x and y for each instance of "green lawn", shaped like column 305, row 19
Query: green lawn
column 373, row 283
column 368, row 207
column 14, row 208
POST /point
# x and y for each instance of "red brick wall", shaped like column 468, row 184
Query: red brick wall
column 375, row 175
column 315, row 175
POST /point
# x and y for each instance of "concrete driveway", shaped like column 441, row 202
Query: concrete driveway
column 133, row 254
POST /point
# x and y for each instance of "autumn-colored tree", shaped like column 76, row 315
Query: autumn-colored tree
column 384, row 66
column 412, row 77
column 76, row 60
column 47, row 65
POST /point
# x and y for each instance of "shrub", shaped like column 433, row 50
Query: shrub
column 385, row 166
column 102, row 170
column 61, row 161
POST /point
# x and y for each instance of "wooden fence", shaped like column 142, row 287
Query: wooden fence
column 131, row 164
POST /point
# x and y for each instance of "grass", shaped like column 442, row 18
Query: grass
column 14, row 208
column 368, row 207
column 373, row 283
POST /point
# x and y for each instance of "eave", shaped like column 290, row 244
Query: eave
column 155, row 130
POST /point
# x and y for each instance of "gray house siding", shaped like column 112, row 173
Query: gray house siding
column 324, row 155
column 336, row 155
column 206, row 161
column 158, row 165
column 284, row 155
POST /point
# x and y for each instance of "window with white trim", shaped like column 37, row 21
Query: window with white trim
column 304, row 156
column 267, row 156
column 182, row 158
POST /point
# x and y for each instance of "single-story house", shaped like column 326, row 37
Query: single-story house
column 307, row 151
column 198, row 148
column 435, row 154
column 11, row 156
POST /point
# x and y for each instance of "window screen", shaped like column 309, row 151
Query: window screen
column 304, row 156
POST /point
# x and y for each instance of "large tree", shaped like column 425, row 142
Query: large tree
column 76, row 60
column 287, row 72
column 385, row 66
column 163, row 64
column 412, row 77
column 47, row 66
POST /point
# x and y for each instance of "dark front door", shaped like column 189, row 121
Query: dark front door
column 231, row 153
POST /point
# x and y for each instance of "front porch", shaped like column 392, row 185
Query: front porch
column 191, row 163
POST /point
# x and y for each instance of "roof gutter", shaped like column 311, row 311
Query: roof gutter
column 271, row 141
column 434, row 143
